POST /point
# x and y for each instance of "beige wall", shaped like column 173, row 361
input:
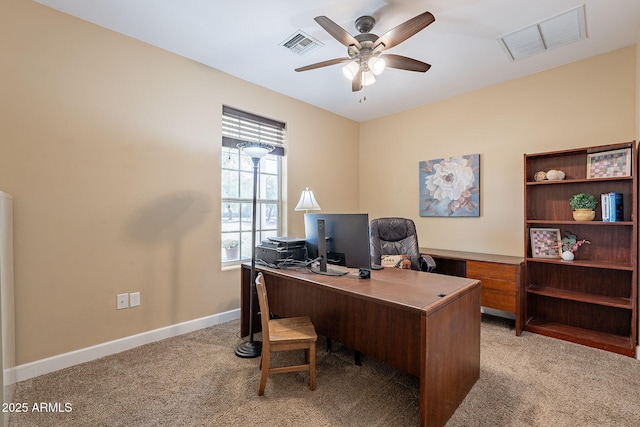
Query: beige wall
column 111, row 149
column 591, row 102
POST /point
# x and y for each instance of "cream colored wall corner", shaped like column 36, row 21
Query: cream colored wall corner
column 590, row 102
column 111, row 149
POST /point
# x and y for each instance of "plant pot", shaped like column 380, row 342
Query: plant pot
column 584, row 214
column 567, row 256
column 232, row 253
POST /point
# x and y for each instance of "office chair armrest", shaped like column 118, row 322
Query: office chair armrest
column 427, row 263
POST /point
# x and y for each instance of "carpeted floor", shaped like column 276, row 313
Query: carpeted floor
column 196, row 380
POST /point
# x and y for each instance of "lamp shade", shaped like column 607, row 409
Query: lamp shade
column 376, row 65
column 256, row 149
column 307, row 201
column 368, row 78
column 351, row 69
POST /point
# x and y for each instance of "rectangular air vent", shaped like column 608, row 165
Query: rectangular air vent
column 559, row 30
column 300, row 43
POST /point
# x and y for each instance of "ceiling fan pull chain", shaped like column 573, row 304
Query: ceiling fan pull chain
column 364, row 95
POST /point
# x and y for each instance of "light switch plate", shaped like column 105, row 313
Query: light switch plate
column 134, row 299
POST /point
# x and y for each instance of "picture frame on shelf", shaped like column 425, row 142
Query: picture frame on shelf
column 609, row 164
column 545, row 242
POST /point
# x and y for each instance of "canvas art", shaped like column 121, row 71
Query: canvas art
column 450, row 186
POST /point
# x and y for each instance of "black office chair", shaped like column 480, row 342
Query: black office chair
column 397, row 236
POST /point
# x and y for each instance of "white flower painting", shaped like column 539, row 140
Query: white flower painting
column 450, row 186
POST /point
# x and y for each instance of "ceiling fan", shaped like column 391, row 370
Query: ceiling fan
column 365, row 59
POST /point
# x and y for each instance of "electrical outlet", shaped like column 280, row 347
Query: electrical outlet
column 122, row 301
column 134, row 299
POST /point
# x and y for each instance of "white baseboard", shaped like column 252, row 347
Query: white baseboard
column 61, row 361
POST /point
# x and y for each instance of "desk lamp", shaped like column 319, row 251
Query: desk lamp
column 256, row 150
column 307, row 202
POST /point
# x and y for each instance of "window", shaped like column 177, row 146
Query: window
column 237, row 182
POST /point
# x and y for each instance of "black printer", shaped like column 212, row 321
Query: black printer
column 277, row 249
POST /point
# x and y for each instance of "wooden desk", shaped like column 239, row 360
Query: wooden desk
column 502, row 277
column 425, row 324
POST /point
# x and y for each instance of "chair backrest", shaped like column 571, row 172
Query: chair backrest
column 394, row 236
column 261, row 289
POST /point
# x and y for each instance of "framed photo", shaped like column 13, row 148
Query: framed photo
column 606, row 164
column 545, row 242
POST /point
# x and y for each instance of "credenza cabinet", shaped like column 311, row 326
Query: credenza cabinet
column 591, row 300
column 501, row 277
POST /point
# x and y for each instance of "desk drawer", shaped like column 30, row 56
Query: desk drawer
column 498, row 294
column 481, row 270
column 498, row 284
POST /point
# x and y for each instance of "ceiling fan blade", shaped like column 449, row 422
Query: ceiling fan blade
column 323, row 64
column 337, row 32
column 397, row 35
column 404, row 63
column 356, row 83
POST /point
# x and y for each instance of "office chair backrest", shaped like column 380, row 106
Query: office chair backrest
column 394, row 236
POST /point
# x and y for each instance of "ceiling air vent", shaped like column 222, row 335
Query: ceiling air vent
column 565, row 28
column 300, row 43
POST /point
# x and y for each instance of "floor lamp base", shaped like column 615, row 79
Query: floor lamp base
column 249, row 349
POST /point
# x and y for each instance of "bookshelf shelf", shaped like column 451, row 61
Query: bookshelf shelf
column 617, row 302
column 593, row 299
column 584, row 263
column 589, row 337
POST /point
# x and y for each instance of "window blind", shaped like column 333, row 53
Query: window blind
column 240, row 126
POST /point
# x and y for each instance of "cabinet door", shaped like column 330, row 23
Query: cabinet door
column 498, row 284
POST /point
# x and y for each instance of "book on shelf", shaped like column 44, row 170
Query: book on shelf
column 616, row 208
column 604, row 204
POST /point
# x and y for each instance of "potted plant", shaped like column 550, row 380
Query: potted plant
column 231, row 248
column 570, row 244
column 583, row 205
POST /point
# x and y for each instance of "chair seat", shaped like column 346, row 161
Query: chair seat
column 291, row 329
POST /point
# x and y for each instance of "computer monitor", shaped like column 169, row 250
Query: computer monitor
column 346, row 239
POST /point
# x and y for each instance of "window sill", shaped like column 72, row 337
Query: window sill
column 231, row 266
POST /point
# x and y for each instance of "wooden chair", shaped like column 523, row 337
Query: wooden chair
column 292, row 333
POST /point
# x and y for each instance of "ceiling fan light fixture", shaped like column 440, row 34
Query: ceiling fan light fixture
column 368, row 78
column 351, row 69
column 377, row 65
column 365, row 59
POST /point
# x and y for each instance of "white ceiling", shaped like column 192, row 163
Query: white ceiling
column 243, row 38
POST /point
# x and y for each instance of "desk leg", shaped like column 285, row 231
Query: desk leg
column 450, row 355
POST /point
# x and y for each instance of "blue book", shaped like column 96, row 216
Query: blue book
column 616, row 209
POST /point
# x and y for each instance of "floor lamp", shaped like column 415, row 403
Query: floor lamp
column 256, row 151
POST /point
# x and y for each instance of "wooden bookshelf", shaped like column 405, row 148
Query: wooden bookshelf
column 593, row 299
